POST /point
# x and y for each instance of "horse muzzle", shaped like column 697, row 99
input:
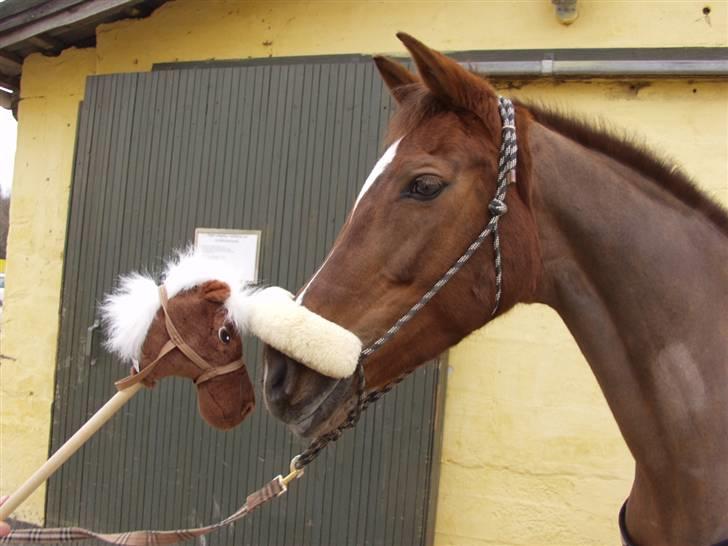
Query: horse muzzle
column 303, row 399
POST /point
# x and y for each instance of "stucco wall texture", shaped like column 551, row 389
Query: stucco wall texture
column 531, row 453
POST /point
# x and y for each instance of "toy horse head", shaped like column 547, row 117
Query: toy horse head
column 186, row 327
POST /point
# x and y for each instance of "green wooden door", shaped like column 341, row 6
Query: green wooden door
column 278, row 147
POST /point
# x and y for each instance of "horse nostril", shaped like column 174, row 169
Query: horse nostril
column 291, row 379
column 276, row 371
column 282, row 379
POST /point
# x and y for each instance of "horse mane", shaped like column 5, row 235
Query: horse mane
column 619, row 145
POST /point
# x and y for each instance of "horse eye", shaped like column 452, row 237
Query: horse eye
column 425, row 187
column 224, row 335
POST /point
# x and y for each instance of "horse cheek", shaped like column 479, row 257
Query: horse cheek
column 226, row 400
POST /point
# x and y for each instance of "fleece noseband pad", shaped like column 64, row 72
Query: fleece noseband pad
column 319, row 344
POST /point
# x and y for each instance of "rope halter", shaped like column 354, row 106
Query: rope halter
column 497, row 207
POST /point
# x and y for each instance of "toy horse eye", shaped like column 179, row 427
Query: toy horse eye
column 425, row 187
column 224, row 335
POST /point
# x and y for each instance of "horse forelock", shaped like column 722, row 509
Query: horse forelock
column 129, row 311
column 418, row 105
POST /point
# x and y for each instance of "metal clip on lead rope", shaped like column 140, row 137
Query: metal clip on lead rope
column 294, row 473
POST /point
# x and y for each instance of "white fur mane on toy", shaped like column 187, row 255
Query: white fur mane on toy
column 270, row 314
column 129, row 311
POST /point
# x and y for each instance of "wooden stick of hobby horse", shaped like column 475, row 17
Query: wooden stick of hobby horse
column 64, row 452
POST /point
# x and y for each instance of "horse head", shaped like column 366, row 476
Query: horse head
column 186, row 327
column 423, row 204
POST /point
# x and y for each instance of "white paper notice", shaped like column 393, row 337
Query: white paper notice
column 237, row 247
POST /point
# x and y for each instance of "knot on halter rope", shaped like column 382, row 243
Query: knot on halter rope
column 507, row 161
column 177, row 342
column 497, row 207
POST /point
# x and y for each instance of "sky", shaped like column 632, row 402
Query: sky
column 8, row 132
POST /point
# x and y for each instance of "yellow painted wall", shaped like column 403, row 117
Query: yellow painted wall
column 531, row 454
column 52, row 89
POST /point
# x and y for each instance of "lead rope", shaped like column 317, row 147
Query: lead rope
column 279, row 485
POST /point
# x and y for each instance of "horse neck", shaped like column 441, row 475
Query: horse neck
column 640, row 280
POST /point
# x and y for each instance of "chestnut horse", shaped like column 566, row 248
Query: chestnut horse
column 624, row 247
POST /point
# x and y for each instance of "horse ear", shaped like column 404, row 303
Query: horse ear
column 396, row 77
column 215, row 291
column 445, row 78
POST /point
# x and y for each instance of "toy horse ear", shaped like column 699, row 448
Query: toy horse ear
column 396, row 77
column 215, row 291
column 446, row 79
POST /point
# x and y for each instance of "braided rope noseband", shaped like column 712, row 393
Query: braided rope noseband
column 278, row 486
column 497, row 207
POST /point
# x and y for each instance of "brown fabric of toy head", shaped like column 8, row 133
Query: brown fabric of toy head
column 200, row 316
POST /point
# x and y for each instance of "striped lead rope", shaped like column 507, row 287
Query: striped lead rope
column 272, row 489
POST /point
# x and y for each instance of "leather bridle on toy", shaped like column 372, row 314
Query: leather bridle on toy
column 208, row 371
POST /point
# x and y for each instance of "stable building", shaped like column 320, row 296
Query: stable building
column 144, row 122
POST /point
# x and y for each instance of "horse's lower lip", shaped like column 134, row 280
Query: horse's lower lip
column 306, row 424
column 312, row 409
column 309, row 424
column 303, row 427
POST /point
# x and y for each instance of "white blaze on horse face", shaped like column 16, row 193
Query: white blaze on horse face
column 378, row 169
